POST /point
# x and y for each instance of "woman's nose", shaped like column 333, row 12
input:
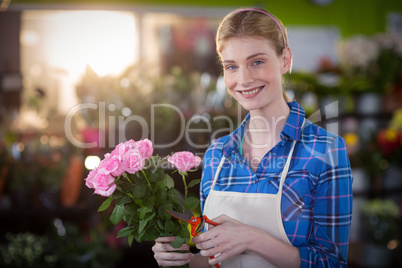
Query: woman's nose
column 245, row 77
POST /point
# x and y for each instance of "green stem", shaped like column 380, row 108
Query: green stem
column 129, row 180
column 185, row 187
column 128, row 194
column 125, row 176
column 156, row 200
column 118, row 178
column 150, row 187
column 146, row 178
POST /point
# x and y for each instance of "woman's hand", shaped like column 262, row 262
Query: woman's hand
column 229, row 238
column 165, row 254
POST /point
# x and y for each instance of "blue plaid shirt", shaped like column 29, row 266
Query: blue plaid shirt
column 317, row 193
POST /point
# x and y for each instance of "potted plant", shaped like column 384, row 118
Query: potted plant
column 370, row 66
column 381, row 218
column 389, row 143
column 21, row 185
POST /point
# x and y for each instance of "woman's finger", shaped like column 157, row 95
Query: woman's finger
column 166, row 247
column 165, row 239
column 175, row 256
column 210, row 243
column 166, row 255
column 221, row 219
column 178, row 259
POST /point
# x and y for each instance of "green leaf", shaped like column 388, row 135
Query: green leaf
column 144, row 222
column 191, row 203
column 153, row 177
column 141, row 234
column 117, row 195
column 175, row 196
column 139, row 191
column 150, row 202
column 105, row 204
column 170, row 227
column 130, row 239
column 193, row 183
column 162, row 213
column 184, row 233
column 160, row 184
column 144, row 211
column 126, row 231
column 138, row 201
column 178, row 242
column 151, row 216
column 151, row 234
column 125, row 187
column 131, row 215
column 117, row 214
column 118, row 188
column 161, row 195
column 157, row 175
column 140, row 175
column 126, row 199
column 129, row 219
column 160, row 224
column 131, row 209
column 169, row 182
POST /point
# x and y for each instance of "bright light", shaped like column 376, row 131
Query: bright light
column 92, row 162
column 57, row 46
column 393, row 244
column 105, row 40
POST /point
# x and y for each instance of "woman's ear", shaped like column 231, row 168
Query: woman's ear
column 286, row 60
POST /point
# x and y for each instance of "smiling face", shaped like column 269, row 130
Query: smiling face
column 253, row 71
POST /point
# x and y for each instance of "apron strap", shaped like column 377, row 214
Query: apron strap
column 218, row 170
column 286, row 168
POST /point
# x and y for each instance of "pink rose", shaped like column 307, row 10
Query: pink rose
column 112, row 164
column 184, row 161
column 133, row 161
column 145, row 148
column 101, row 181
column 122, row 148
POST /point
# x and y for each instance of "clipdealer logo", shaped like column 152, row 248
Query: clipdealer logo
column 108, row 124
column 328, row 115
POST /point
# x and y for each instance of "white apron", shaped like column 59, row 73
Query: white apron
column 256, row 209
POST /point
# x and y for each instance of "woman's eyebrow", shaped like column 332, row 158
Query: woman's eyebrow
column 248, row 58
column 256, row 55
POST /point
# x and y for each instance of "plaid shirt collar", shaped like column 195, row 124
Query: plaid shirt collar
column 291, row 131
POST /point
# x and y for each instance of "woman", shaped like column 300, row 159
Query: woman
column 279, row 186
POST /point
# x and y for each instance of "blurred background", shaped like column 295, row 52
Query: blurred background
column 78, row 77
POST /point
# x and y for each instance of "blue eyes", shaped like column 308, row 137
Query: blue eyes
column 258, row 62
column 235, row 67
column 231, row 67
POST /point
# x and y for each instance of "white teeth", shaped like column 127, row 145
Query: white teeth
column 251, row 91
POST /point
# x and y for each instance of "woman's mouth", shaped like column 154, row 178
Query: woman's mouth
column 251, row 92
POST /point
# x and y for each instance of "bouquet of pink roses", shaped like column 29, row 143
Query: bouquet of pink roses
column 136, row 183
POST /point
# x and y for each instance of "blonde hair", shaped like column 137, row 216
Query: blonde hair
column 256, row 23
